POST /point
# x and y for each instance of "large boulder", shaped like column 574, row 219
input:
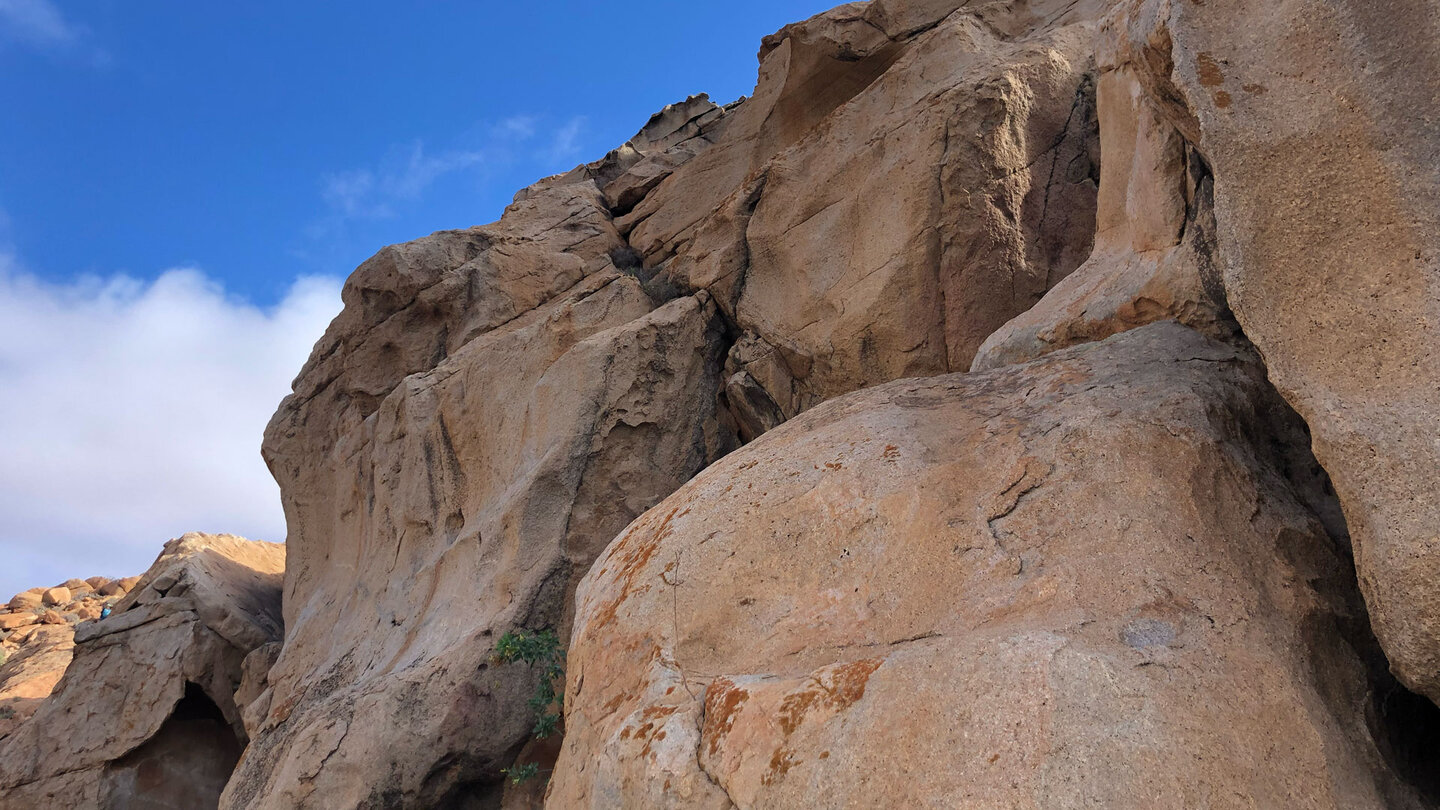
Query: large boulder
column 1315, row 118
column 144, row 715
column 1085, row 581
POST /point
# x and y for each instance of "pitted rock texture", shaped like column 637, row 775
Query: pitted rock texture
column 491, row 408
column 906, row 177
column 144, row 715
column 1326, row 199
column 1075, row 582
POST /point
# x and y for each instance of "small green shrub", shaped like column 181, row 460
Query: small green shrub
column 520, row 774
column 7, row 713
column 537, row 648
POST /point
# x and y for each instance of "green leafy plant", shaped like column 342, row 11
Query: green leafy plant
column 520, row 774
column 537, row 648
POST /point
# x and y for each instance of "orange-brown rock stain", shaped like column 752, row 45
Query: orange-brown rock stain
column 723, row 700
column 1209, row 70
column 836, row 690
column 630, row 559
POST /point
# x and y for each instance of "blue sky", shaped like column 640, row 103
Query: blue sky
column 184, row 185
column 262, row 140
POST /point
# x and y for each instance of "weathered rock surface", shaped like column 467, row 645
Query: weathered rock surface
column 1154, row 256
column 1076, row 582
column 30, row 671
column 906, row 178
column 144, row 715
column 491, row 408
column 1324, row 243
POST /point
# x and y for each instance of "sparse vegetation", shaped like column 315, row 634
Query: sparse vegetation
column 540, row 648
column 7, row 713
column 520, row 774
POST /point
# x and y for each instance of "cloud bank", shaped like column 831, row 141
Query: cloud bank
column 132, row 412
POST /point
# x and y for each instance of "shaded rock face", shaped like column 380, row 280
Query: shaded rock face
column 1327, row 169
column 145, row 715
column 1028, row 587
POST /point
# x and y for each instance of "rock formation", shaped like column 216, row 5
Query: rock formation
column 145, row 713
column 37, row 632
column 1022, row 588
column 1051, row 330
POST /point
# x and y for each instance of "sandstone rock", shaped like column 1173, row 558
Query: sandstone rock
column 29, row 675
column 1070, row 582
column 252, row 697
column 1316, row 119
column 1154, row 247
column 10, row 621
column 891, row 194
column 128, row 583
column 96, row 583
column 110, row 589
column 25, row 601
column 492, row 406
column 53, row 617
column 144, row 714
column 55, row 596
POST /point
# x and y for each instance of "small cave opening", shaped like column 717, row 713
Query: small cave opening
column 1406, row 729
column 183, row 767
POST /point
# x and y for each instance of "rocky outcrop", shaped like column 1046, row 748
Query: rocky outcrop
column 145, row 713
column 1155, row 253
column 1105, row 568
column 1028, row 587
column 492, row 407
column 906, row 177
column 37, row 630
column 1328, row 203
column 1302, row 119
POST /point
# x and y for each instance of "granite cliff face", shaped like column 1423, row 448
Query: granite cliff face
column 1016, row 403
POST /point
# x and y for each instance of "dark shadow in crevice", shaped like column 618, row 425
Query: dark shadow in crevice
column 183, row 767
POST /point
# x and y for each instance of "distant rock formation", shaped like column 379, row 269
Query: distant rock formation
column 145, row 714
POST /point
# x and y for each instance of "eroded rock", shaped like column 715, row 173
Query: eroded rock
column 1077, row 581
column 521, row 400
column 892, row 193
column 1327, row 200
column 144, row 714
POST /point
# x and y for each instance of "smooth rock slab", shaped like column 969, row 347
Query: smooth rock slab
column 1068, row 583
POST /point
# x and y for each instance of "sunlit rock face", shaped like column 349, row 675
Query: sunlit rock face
column 1021, row 588
column 145, row 713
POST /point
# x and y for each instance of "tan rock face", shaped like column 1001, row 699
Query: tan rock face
column 1316, row 118
column 1068, row 582
column 144, row 714
column 1154, row 256
column 492, row 407
column 30, row 671
column 892, row 193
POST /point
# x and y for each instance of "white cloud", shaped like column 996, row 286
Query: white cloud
column 37, row 22
column 132, row 412
column 402, row 176
column 565, row 141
